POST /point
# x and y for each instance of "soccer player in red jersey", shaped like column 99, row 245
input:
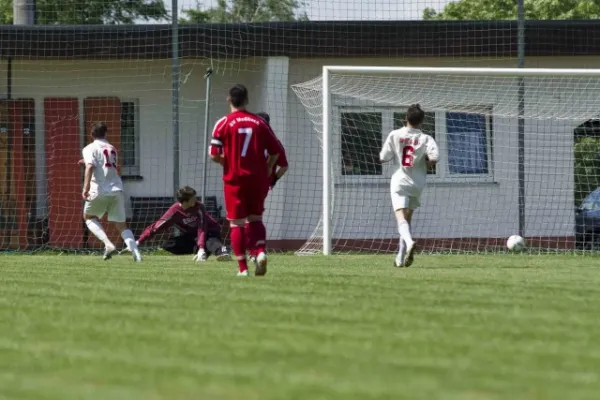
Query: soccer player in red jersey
column 199, row 232
column 281, row 166
column 279, row 169
column 239, row 141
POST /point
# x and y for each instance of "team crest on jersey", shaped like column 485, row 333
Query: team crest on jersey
column 190, row 220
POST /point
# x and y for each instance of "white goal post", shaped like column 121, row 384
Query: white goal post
column 551, row 102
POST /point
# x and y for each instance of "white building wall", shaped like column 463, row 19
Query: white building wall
column 448, row 209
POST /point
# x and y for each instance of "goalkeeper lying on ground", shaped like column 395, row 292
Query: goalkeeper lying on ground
column 200, row 234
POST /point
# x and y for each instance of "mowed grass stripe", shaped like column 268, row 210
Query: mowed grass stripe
column 341, row 327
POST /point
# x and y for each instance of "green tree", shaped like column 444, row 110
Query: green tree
column 6, row 12
column 246, row 11
column 84, row 12
column 507, row 10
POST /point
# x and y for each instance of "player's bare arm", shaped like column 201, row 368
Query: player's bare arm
column 387, row 151
column 433, row 153
column 274, row 149
column 431, row 163
column 218, row 158
column 87, row 180
column 281, row 171
column 216, row 142
column 282, row 168
column 271, row 161
column 281, row 162
column 216, row 151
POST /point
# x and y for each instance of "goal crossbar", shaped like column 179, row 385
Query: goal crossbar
column 327, row 110
column 506, row 72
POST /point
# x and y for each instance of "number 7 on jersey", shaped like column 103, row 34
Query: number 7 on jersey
column 248, row 133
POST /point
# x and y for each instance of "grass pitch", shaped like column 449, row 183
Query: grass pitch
column 345, row 327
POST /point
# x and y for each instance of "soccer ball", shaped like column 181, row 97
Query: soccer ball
column 515, row 243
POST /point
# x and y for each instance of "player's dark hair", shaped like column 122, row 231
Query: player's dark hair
column 99, row 130
column 265, row 116
column 415, row 115
column 185, row 193
column 238, row 96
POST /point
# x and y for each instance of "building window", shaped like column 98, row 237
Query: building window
column 464, row 139
column 467, row 142
column 129, row 138
column 361, row 143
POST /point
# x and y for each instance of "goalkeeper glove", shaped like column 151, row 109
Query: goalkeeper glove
column 201, row 256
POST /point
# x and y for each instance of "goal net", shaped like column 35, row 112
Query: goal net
column 130, row 65
column 518, row 155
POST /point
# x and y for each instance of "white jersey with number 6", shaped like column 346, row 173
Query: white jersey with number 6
column 103, row 156
column 410, row 149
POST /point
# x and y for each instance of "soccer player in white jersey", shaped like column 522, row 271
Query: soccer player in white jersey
column 103, row 192
column 414, row 152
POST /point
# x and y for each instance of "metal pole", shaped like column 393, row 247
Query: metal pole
column 175, row 92
column 23, row 12
column 327, row 150
column 207, row 132
column 9, row 78
column 521, row 111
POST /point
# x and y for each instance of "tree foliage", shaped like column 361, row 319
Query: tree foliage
column 228, row 11
column 507, row 10
column 84, row 12
column 6, row 12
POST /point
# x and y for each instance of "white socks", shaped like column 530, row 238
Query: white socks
column 404, row 230
column 401, row 252
column 129, row 240
column 95, row 227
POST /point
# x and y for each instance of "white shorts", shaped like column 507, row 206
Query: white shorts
column 111, row 204
column 400, row 201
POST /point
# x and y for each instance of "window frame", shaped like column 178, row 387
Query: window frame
column 442, row 173
column 337, row 145
column 446, row 176
column 132, row 170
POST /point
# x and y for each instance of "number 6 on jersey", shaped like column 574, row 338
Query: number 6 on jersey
column 407, row 156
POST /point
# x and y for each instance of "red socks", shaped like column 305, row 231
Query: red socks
column 252, row 237
column 257, row 237
column 238, row 245
column 249, row 244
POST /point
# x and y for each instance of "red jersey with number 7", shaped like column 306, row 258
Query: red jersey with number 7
column 242, row 138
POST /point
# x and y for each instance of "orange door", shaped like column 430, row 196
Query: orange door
column 63, row 150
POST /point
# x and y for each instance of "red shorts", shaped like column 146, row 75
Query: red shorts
column 242, row 200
